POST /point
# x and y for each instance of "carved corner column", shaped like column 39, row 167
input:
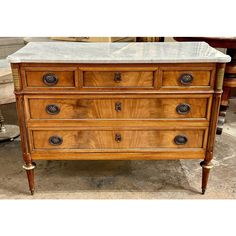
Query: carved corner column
column 206, row 163
column 29, row 165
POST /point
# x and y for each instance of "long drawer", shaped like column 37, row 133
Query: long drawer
column 169, row 107
column 116, row 139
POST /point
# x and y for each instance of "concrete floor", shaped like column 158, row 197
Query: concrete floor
column 179, row 179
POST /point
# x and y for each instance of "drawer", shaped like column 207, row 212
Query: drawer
column 119, row 139
column 188, row 77
column 118, row 108
column 119, row 77
column 50, row 77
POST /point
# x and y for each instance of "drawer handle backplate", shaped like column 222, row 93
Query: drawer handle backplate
column 52, row 109
column 50, row 79
column 118, row 138
column 180, row 140
column 55, row 140
column 186, row 79
column 183, row 108
column 117, row 77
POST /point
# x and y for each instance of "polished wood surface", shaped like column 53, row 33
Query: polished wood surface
column 102, row 139
column 149, row 154
column 111, row 107
column 172, row 77
column 35, row 79
column 127, row 79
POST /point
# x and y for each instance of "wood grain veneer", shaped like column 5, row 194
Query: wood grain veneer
column 117, row 108
column 103, row 139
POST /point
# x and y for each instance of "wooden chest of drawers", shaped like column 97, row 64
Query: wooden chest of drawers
column 121, row 101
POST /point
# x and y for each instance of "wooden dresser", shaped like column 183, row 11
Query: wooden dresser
column 117, row 101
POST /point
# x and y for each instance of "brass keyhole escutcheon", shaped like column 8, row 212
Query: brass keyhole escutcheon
column 117, row 77
column 118, row 106
column 118, row 137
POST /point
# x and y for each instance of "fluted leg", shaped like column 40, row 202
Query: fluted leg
column 206, row 167
column 29, row 167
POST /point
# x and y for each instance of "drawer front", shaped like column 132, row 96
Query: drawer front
column 186, row 78
column 120, row 139
column 50, row 78
column 119, row 108
column 118, row 79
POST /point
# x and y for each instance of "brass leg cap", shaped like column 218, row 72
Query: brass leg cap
column 32, row 192
column 29, row 166
column 208, row 166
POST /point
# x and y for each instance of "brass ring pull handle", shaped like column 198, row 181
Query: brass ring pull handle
column 55, row 140
column 118, row 106
column 117, row 77
column 50, row 79
column 186, row 79
column 118, row 138
column 52, row 109
column 180, row 140
column 183, row 109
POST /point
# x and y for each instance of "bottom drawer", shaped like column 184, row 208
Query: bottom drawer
column 120, row 139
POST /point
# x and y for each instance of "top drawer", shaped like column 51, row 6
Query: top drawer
column 186, row 77
column 118, row 77
column 50, row 77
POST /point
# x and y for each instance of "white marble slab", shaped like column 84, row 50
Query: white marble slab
column 73, row 52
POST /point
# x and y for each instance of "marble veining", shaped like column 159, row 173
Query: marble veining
column 73, row 52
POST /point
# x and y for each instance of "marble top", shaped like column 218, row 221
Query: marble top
column 158, row 52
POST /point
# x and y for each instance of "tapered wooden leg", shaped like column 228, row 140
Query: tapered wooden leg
column 29, row 167
column 206, row 167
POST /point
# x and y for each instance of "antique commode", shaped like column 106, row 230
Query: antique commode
column 117, row 101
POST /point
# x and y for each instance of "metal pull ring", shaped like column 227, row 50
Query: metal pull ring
column 186, row 79
column 50, row 79
column 118, row 138
column 117, row 77
column 52, row 109
column 55, row 140
column 180, row 140
column 183, row 109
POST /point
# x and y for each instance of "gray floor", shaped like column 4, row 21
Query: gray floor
column 120, row 179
